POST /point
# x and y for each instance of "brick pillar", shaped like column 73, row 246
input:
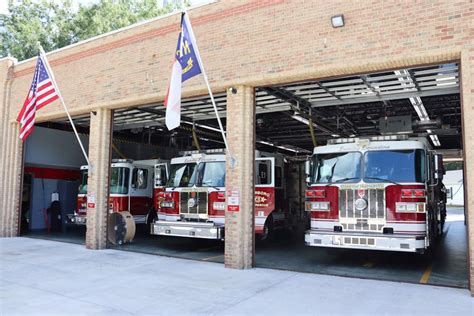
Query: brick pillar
column 98, row 181
column 240, row 226
column 11, row 152
column 11, row 181
column 467, row 105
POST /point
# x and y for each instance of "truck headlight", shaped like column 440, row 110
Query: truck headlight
column 407, row 207
column 218, row 206
column 167, row 204
column 317, row 206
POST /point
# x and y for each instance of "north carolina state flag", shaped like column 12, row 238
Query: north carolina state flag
column 185, row 66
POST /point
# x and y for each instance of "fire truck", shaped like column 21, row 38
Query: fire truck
column 131, row 190
column 381, row 193
column 194, row 200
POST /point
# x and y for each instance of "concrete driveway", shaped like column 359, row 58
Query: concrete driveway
column 47, row 277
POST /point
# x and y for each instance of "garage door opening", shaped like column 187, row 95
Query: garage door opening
column 51, row 182
column 421, row 102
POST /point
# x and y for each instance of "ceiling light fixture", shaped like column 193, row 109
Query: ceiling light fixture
column 337, row 20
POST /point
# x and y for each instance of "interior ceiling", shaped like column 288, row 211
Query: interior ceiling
column 342, row 107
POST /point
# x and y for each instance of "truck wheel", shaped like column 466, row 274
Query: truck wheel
column 151, row 217
column 267, row 229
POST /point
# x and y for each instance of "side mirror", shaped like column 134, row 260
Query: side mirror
column 438, row 166
column 158, row 181
column 307, row 170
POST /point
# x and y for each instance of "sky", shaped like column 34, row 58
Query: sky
column 4, row 3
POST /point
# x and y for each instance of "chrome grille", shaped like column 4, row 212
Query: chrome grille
column 354, row 219
column 196, row 209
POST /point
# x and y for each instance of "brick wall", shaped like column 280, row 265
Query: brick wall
column 254, row 42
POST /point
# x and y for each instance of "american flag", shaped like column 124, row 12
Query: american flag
column 42, row 92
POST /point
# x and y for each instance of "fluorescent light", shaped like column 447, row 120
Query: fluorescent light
column 277, row 146
column 435, row 140
column 417, row 104
column 419, row 108
column 265, row 143
column 301, row 119
column 204, row 126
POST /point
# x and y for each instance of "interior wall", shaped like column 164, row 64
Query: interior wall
column 52, row 147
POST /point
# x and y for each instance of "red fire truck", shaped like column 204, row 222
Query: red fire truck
column 131, row 190
column 194, row 200
column 381, row 193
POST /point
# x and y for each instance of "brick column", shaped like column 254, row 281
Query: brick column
column 10, row 156
column 467, row 105
column 98, row 181
column 240, row 226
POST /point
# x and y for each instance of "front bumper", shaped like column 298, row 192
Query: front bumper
column 76, row 219
column 188, row 229
column 368, row 241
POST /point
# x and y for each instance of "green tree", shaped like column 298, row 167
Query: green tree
column 31, row 22
column 109, row 15
column 57, row 25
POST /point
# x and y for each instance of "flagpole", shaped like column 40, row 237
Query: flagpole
column 43, row 54
column 198, row 56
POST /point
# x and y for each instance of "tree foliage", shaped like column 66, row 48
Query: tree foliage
column 57, row 25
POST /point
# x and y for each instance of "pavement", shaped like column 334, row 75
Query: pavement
column 46, row 277
column 446, row 266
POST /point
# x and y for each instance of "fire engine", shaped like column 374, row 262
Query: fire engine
column 131, row 190
column 194, row 200
column 381, row 193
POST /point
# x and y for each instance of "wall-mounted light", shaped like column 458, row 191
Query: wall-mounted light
column 337, row 20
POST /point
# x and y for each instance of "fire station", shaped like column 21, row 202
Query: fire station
column 341, row 119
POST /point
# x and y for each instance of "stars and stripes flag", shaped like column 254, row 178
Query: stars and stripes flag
column 185, row 66
column 42, row 92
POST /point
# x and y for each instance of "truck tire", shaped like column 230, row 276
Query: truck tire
column 151, row 217
column 267, row 229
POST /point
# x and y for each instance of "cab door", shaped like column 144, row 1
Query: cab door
column 161, row 175
column 141, row 192
column 264, row 190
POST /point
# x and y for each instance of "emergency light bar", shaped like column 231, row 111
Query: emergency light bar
column 122, row 160
column 205, row 151
column 371, row 138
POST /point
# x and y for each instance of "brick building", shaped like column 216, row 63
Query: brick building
column 244, row 44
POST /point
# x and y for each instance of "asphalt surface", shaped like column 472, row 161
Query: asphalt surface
column 447, row 266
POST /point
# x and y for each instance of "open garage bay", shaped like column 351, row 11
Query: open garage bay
column 290, row 121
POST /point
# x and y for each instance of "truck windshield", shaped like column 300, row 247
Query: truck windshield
column 182, row 175
column 206, row 174
column 119, row 180
column 344, row 167
column 395, row 165
column 214, row 174
column 83, row 185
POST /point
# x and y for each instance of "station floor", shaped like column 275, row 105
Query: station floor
column 447, row 266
